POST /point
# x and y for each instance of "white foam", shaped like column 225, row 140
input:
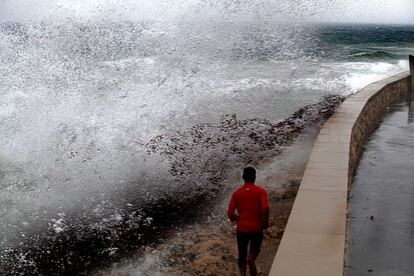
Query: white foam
column 361, row 74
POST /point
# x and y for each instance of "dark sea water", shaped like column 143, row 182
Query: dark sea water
column 84, row 104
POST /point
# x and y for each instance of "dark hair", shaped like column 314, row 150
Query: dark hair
column 249, row 174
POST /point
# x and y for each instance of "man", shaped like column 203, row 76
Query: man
column 252, row 218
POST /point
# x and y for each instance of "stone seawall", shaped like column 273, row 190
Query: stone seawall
column 314, row 239
column 393, row 89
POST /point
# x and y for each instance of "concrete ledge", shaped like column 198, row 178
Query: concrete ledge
column 314, row 239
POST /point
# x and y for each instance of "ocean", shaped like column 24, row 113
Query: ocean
column 112, row 130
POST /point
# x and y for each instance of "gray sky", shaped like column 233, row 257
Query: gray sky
column 372, row 11
column 358, row 11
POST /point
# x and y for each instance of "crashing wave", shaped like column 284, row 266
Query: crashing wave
column 372, row 55
column 77, row 242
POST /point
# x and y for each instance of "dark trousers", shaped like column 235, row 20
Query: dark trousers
column 243, row 240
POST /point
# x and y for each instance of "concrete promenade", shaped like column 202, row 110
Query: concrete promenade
column 314, row 240
column 380, row 226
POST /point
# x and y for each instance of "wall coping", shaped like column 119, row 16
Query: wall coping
column 313, row 243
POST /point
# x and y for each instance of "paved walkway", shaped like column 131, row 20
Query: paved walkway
column 380, row 228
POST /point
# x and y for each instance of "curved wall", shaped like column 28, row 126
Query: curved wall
column 314, row 239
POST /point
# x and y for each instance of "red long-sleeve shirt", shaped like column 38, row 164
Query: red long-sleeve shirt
column 252, row 207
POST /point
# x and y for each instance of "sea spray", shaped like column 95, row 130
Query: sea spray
column 87, row 87
column 75, row 243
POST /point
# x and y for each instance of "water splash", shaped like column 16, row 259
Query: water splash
column 85, row 86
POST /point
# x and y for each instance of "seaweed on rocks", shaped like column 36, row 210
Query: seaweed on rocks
column 200, row 158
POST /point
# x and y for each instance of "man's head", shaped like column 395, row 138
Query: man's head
column 249, row 174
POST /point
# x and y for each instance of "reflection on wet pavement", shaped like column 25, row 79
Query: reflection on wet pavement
column 380, row 234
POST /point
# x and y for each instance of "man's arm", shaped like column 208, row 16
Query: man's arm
column 232, row 208
column 265, row 210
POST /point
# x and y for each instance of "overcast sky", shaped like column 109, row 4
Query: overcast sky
column 358, row 11
column 373, row 11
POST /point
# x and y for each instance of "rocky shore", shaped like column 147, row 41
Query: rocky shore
column 208, row 247
column 201, row 159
